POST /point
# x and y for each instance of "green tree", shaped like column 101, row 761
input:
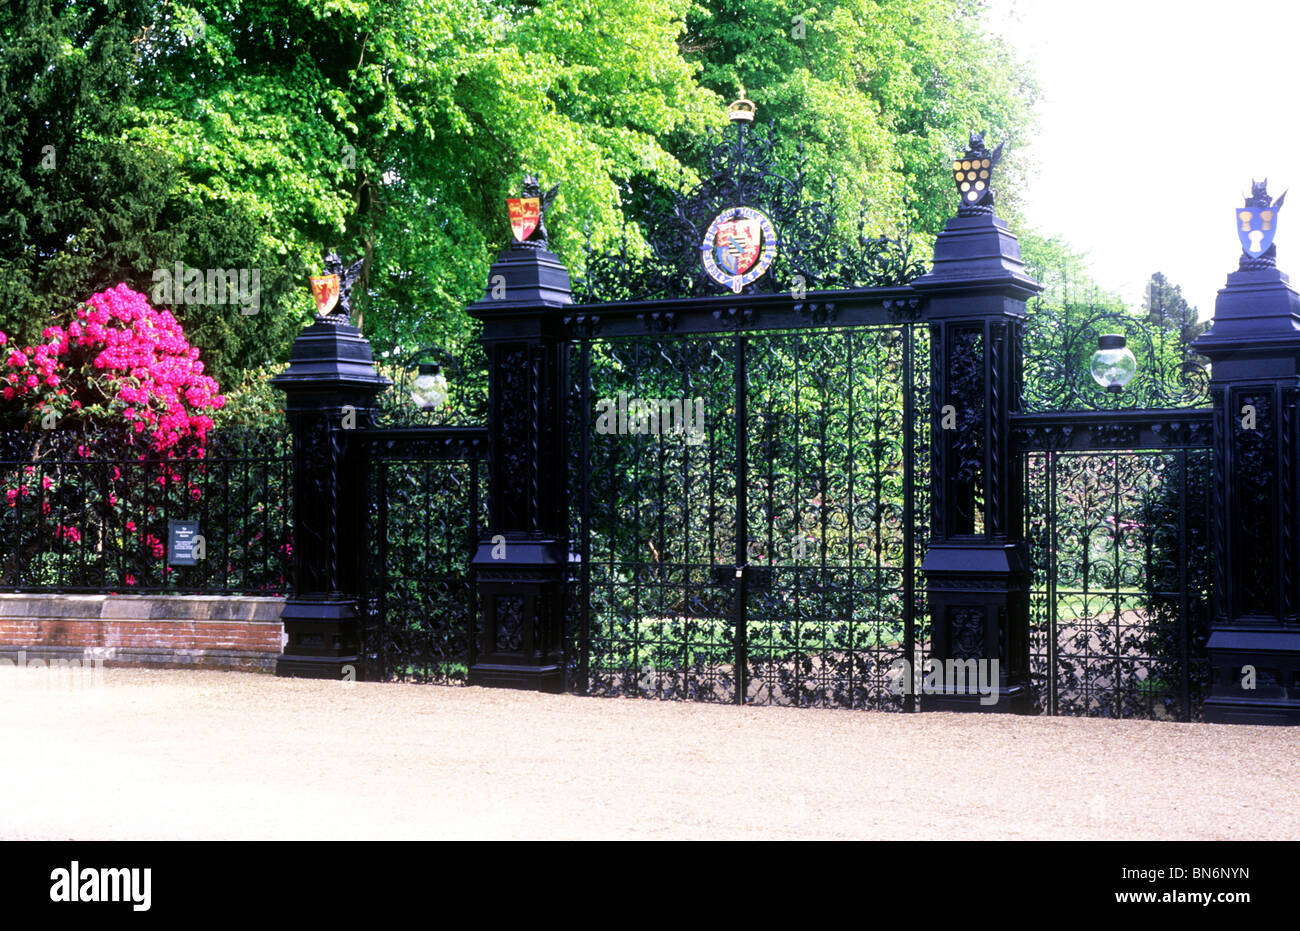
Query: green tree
column 881, row 92
column 259, row 133
column 88, row 204
column 1165, row 306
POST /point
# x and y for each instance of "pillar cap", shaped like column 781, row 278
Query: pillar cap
column 330, row 354
column 524, row 276
column 1257, row 310
column 977, row 252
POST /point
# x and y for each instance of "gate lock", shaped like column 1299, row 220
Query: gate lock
column 757, row 577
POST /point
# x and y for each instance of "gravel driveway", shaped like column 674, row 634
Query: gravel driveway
column 196, row 754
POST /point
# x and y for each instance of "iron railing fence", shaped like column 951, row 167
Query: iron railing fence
column 89, row 511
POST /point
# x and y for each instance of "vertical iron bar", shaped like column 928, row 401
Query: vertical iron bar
column 742, row 530
column 1184, row 634
column 584, row 531
column 475, row 474
column 909, row 560
column 1117, row 573
column 637, row 555
column 1052, row 542
column 380, row 626
column 268, row 518
column 851, row 473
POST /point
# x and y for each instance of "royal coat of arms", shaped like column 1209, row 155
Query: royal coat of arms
column 739, row 247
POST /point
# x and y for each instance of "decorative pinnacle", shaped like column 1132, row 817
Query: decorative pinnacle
column 973, row 173
column 1256, row 227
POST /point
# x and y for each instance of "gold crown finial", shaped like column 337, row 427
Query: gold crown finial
column 741, row 109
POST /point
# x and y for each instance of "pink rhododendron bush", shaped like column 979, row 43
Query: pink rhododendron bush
column 118, row 361
column 104, row 430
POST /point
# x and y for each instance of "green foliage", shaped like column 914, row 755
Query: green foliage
column 882, row 92
column 91, row 201
column 251, row 402
column 259, row 133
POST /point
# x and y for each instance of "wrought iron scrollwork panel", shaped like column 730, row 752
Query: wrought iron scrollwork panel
column 741, row 169
column 1119, row 546
column 832, row 442
column 1058, row 347
column 420, row 603
column 660, row 515
column 830, row 500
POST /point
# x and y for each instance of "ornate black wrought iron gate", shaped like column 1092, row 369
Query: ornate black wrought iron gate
column 760, row 506
column 769, row 550
column 425, row 507
column 1117, row 514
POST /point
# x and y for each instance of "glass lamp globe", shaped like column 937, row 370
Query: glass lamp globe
column 430, row 389
column 1113, row 365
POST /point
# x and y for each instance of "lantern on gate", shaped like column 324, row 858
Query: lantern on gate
column 430, row 390
column 1113, row 364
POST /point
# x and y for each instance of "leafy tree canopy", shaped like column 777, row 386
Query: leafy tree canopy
column 259, row 133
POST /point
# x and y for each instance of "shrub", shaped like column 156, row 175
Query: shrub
column 105, row 417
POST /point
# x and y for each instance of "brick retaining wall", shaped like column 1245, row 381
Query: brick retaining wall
column 224, row 632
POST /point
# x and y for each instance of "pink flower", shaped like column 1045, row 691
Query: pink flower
column 136, row 355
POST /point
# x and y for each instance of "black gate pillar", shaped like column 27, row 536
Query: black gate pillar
column 1254, row 348
column 976, row 567
column 330, row 387
column 521, row 568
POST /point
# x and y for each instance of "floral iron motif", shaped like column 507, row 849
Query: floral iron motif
column 740, row 171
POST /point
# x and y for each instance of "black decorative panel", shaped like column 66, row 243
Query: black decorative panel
column 966, row 632
column 1119, row 605
column 1252, row 426
column 961, row 419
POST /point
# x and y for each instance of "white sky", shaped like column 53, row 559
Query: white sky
column 1154, row 117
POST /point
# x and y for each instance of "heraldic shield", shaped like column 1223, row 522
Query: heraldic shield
column 325, row 291
column 738, row 244
column 739, row 247
column 1256, row 227
column 525, row 213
